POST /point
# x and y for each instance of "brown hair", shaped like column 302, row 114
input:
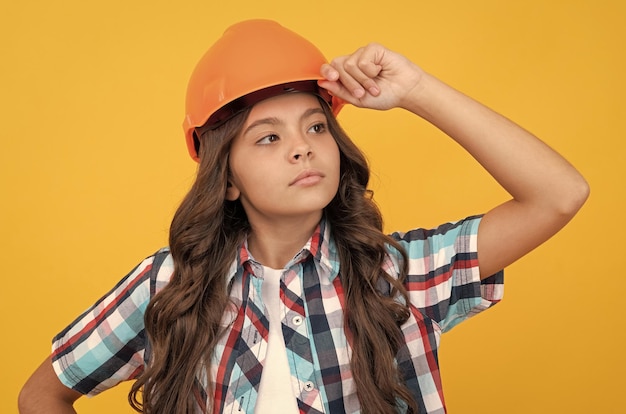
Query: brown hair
column 183, row 320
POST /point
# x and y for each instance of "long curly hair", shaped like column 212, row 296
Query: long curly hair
column 183, row 321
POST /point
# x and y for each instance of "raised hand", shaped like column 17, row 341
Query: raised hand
column 372, row 77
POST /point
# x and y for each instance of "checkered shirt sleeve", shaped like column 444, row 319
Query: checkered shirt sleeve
column 105, row 345
column 443, row 277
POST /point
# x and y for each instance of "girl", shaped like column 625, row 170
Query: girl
column 279, row 292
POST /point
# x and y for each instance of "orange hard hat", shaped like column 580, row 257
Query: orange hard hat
column 252, row 61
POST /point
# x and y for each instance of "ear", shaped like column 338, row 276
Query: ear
column 232, row 192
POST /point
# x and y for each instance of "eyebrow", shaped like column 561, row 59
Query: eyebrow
column 276, row 121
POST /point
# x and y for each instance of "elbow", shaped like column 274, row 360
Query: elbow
column 24, row 401
column 29, row 398
column 573, row 198
column 30, row 401
column 580, row 194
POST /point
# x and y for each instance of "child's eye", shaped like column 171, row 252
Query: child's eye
column 318, row 128
column 268, row 139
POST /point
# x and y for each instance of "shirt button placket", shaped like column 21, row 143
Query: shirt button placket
column 308, row 386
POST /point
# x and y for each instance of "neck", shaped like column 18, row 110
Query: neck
column 275, row 243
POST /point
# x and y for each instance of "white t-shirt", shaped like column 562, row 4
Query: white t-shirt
column 275, row 393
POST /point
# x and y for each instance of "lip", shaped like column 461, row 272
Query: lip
column 307, row 177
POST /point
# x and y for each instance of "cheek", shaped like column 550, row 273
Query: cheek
column 335, row 156
column 250, row 177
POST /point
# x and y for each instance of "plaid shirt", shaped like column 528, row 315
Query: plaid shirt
column 107, row 343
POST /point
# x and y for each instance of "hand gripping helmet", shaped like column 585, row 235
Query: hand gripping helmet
column 252, row 61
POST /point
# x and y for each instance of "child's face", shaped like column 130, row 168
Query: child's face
column 284, row 164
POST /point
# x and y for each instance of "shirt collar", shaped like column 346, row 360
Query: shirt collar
column 321, row 246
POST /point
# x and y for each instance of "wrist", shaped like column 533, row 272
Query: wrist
column 416, row 99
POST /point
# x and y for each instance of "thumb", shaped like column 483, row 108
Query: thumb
column 336, row 88
column 328, row 72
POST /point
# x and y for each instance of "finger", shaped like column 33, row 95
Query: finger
column 361, row 69
column 332, row 84
column 329, row 73
column 371, row 59
column 346, row 77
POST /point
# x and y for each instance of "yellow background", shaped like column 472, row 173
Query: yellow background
column 93, row 164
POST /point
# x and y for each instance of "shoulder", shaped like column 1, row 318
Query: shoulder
column 159, row 268
column 161, row 261
column 148, row 277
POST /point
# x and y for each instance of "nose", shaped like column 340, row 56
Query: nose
column 300, row 149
